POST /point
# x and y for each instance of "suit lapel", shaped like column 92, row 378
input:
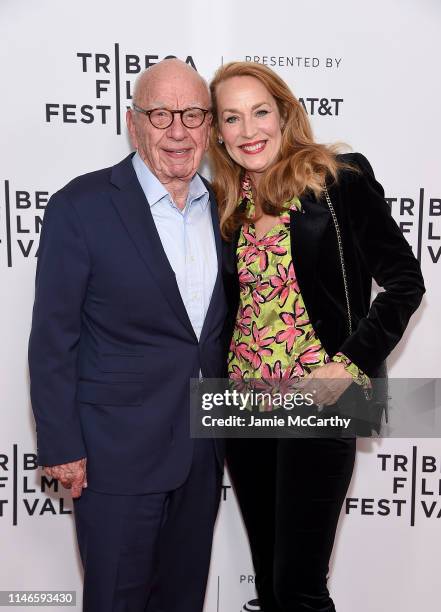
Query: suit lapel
column 215, row 221
column 307, row 230
column 214, row 301
column 230, row 250
column 132, row 206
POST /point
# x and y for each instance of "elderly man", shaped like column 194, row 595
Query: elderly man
column 129, row 306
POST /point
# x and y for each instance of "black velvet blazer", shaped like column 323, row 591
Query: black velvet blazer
column 374, row 248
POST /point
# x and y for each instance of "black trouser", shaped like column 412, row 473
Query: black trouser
column 290, row 492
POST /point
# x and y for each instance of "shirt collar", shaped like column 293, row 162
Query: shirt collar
column 155, row 191
column 246, row 199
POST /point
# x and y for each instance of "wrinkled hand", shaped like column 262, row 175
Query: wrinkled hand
column 70, row 475
column 328, row 383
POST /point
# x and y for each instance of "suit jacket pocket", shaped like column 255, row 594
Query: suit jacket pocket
column 133, row 364
column 111, row 394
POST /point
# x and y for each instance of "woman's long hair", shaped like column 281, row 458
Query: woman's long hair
column 301, row 165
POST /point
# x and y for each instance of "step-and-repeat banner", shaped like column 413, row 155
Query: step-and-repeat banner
column 368, row 75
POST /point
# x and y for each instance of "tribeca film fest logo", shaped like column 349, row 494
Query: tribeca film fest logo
column 22, row 220
column 25, row 492
column 111, row 95
column 116, row 72
column 419, row 218
column 414, row 492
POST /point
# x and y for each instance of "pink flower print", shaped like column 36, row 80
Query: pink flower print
column 271, row 243
column 246, row 278
column 257, row 294
column 236, row 373
column 284, row 377
column 289, row 334
column 310, row 356
column 277, row 380
column 238, row 377
column 243, row 321
column 277, row 372
column 296, row 205
column 240, row 350
column 259, row 249
column 258, row 345
column 299, row 311
column 282, row 283
column 246, row 187
column 285, row 216
column 251, row 252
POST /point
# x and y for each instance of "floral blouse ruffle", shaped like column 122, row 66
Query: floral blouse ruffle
column 273, row 336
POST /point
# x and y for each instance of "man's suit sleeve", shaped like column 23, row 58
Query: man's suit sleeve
column 63, row 269
column 390, row 261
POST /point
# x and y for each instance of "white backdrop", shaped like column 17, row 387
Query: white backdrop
column 369, row 76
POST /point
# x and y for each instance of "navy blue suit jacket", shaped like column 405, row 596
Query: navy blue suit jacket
column 112, row 349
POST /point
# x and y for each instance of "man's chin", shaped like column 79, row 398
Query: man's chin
column 182, row 172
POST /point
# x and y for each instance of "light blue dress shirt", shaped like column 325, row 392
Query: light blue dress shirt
column 187, row 238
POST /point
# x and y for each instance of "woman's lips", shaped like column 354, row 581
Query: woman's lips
column 252, row 148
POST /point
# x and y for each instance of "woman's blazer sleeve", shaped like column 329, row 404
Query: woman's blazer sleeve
column 388, row 258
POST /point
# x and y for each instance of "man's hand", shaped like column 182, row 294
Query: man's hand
column 71, row 475
column 328, row 382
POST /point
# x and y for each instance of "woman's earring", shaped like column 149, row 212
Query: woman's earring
column 220, row 140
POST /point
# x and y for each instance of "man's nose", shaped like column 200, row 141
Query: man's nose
column 177, row 130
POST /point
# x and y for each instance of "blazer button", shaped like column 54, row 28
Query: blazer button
column 317, row 324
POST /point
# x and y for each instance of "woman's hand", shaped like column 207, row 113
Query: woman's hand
column 328, row 383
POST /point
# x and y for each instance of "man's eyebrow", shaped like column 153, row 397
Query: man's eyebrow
column 158, row 104
column 234, row 110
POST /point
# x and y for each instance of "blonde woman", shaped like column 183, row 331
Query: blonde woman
column 306, row 230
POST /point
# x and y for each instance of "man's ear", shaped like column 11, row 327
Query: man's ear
column 131, row 128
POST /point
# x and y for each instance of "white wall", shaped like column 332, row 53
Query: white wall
column 381, row 60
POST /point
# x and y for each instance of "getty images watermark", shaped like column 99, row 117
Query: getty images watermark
column 223, row 408
column 265, row 401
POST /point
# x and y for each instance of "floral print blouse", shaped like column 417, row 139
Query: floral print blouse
column 273, row 337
